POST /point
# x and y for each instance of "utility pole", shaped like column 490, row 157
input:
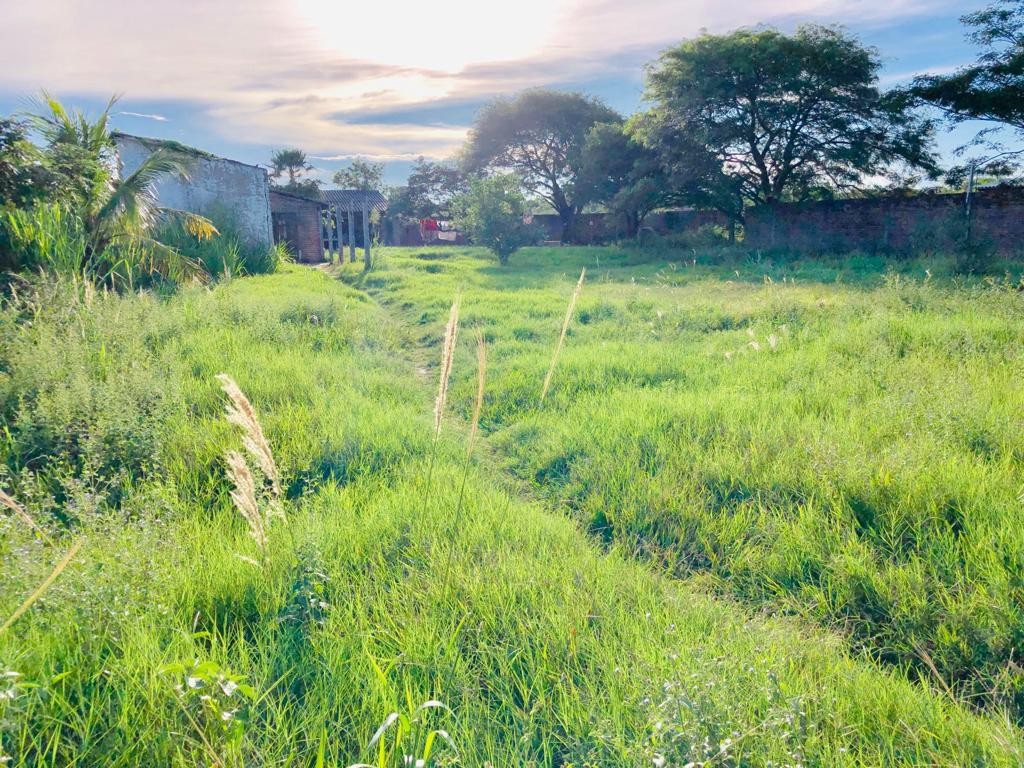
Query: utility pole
column 971, row 178
column 968, row 198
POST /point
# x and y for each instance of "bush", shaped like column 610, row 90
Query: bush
column 44, row 237
column 492, row 214
column 226, row 254
column 975, row 257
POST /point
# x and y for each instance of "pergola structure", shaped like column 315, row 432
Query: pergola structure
column 350, row 201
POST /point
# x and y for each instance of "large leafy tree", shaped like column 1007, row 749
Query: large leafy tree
column 623, row 174
column 361, row 174
column 290, row 168
column 761, row 116
column 992, row 88
column 539, row 135
column 429, row 192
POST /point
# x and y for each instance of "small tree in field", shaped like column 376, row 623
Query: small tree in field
column 492, row 213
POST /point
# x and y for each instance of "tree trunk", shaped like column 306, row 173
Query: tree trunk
column 633, row 220
column 567, row 216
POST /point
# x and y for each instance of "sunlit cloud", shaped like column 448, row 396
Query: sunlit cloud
column 314, row 73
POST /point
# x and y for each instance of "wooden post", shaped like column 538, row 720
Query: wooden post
column 366, row 235
column 351, row 233
column 339, row 234
column 333, row 233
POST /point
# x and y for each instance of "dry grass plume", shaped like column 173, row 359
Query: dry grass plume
column 561, row 336
column 451, row 332
column 241, row 413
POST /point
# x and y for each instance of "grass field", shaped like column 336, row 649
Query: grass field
column 853, row 461
column 826, row 439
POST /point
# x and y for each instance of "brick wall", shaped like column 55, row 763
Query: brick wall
column 893, row 224
column 297, row 221
column 602, row 227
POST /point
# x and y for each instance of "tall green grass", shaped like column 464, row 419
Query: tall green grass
column 163, row 643
column 837, row 439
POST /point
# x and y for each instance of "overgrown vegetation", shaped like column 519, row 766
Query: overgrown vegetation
column 65, row 210
column 821, row 437
column 174, row 637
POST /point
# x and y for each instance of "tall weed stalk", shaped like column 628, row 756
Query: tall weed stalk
column 561, row 337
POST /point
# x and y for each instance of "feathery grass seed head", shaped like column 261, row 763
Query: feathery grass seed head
column 451, row 332
column 561, row 338
column 241, row 413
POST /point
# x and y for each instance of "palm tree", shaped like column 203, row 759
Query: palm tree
column 118, row 216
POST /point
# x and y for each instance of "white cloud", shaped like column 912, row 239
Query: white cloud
column 302, row 72
column 157, row 118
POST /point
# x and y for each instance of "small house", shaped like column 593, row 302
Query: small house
column 298, row 223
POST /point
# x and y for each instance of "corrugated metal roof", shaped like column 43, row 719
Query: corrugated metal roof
column 342, row 197
column 312, row 200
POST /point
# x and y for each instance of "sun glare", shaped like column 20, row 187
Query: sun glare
column 444, row 36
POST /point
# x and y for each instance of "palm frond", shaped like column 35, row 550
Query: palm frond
column 57, row 125
column 169, row 262
column 132, row 207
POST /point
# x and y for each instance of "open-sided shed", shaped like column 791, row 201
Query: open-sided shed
column 351, row 211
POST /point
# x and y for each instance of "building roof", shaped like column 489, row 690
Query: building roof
column 311, row 200
column 344, row 197
column 155, row 144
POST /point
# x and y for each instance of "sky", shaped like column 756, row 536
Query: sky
column 390, row 80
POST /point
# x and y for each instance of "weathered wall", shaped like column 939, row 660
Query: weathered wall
column 602, row 227
column 298, row 223
column 893, row 224
column 215, row 186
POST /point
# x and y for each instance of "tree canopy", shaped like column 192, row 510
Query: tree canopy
column 293, row 165
column 759, row 116
column 361, row 174
column 992, row 88
column 492, row 213
column 23, row 177
column 429, row 192
column 623, row 174
column 540, row 136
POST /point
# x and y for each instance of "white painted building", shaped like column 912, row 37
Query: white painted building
column 216, row 187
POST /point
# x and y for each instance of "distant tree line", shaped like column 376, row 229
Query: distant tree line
column 747, row 118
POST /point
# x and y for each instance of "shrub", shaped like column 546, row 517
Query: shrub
column 45, row 237
column 227, row 254
column 492, row 213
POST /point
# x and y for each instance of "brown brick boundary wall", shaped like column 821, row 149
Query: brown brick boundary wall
column 924, row 223
column 590, row 228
